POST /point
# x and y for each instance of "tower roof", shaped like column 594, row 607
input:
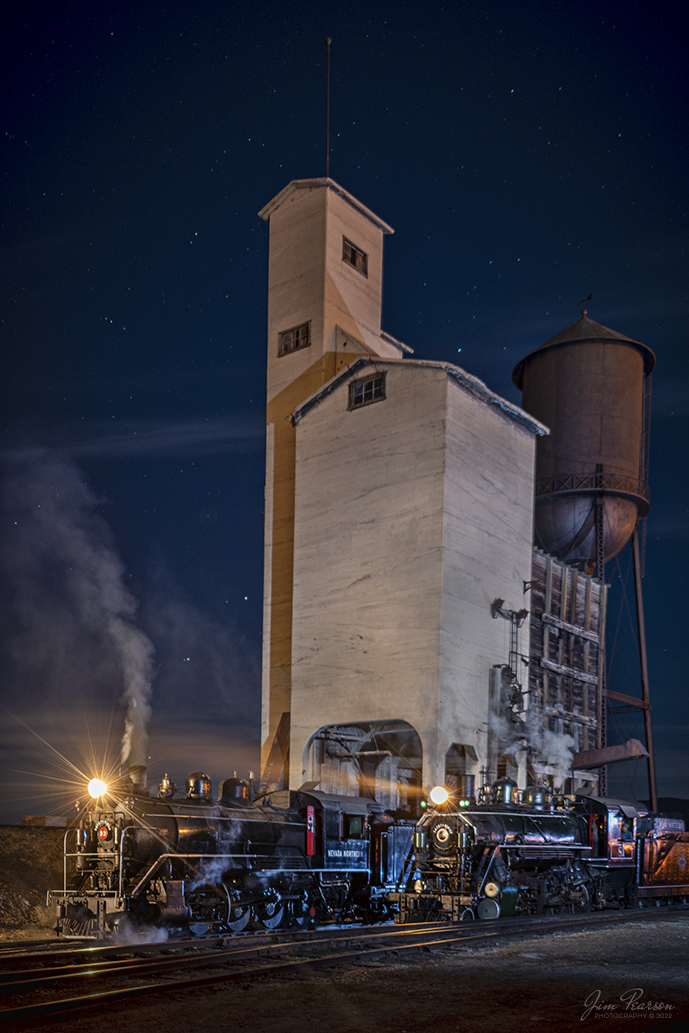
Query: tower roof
column 309, row 184
column 584, row 331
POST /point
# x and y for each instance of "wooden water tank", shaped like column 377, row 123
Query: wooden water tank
column 588, row 384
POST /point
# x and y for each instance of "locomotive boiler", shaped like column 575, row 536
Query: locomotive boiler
column 290, row 857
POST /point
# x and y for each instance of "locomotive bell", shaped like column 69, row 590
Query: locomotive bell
column 198, row 786
column 167, row 787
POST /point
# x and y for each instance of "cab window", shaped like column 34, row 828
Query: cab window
column 354, row 826
column 333, row 828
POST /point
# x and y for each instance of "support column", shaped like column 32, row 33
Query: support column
column 643, row 664
column 600, row 574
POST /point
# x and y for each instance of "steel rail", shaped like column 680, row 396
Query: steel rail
column 111, row 996
column 264, row 937
column 99, row 957
column 58, row 949
column 95, row 949
column 209, row 953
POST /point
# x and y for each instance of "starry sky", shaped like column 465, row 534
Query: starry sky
column 527, row 156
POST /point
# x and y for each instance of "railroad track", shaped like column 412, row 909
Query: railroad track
column 239, row 958
column 49, row 952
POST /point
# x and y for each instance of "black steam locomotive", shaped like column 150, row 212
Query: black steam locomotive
column 291, row 857
column 540, row 855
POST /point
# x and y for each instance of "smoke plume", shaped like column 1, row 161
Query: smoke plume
column 72, row 622
column 207, row 667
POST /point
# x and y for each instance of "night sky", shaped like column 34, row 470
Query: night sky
column 526, row 155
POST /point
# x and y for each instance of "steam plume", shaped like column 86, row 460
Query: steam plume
column 72, row 619
column 545, row 747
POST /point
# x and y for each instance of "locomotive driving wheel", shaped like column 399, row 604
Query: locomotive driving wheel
column 214, row 908
column 299, row 912
column 269, row 912
column 239, row 914
column 579, row 898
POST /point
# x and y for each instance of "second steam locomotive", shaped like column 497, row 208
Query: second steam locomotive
column 531, row 853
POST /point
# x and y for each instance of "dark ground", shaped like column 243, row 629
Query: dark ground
column 535, row 983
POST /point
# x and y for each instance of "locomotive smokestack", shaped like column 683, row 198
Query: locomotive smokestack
column 137, row 773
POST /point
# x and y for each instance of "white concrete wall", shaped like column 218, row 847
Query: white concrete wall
column 308, row 282
column 351, row 296
column 267, row 579
column 412, row 515
column 296, row 282
column 368, row 552
column 487, row 538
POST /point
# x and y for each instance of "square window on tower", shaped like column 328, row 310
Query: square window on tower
column 353, row 255
column 363, row 392
column 294, row 339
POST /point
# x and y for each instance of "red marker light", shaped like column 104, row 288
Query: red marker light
column 310, row 831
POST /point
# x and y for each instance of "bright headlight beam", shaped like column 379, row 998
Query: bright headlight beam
column 97, row 788
column 439, row 794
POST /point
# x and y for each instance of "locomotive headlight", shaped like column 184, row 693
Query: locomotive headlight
column 439, row 794
column 97, row 788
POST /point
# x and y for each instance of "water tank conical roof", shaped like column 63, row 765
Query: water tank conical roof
column 584, row 330
column 588, row 385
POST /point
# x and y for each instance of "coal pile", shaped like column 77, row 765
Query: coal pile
column 30, row 864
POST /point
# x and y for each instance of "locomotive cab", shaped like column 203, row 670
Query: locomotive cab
column 336, row 829
column 612, row 830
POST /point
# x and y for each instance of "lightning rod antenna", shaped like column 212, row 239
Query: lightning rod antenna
column 327, row 113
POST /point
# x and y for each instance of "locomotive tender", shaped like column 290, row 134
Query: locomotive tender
column 502, row 857
column 288, row 858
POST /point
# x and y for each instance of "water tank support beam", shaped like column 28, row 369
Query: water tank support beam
column 600, row 574
column 631, row 701
column 643, row 663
